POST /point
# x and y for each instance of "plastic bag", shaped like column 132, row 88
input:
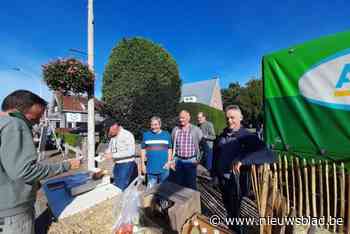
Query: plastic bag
column 127, row 213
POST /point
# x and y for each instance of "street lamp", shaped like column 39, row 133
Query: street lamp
column 18, row 69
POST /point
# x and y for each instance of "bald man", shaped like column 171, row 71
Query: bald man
column 187, row 138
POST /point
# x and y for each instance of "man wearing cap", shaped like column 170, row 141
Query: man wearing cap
column 121, row 150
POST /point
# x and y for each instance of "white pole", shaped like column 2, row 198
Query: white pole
column 91, row 101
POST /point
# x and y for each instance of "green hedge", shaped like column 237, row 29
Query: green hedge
column 70, row 138
column 215, row 116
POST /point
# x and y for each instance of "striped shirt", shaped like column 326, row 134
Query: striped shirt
column 157, row 146
column 185, row 146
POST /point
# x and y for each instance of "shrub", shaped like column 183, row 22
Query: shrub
column 70, row 138
column 217, row 117
column 141, row 79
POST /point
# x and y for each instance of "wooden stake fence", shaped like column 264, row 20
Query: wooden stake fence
column 304, row 188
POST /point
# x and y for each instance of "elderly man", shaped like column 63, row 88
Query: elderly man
column 156, row 148
column 236, row 149
column 121, row 150
column 208, row 137
column 19, row 171
column 186, row 138
column 227, row 155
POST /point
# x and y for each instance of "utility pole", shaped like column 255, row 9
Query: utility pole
column 91, row 94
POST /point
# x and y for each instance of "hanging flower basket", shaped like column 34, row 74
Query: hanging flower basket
column 68, row 76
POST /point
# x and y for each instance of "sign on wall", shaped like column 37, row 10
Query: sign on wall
column 74, row 117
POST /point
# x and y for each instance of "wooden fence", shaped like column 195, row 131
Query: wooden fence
column 297, row 187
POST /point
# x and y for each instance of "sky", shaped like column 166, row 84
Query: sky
column 207, row 38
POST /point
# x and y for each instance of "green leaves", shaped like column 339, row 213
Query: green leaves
column 140, row 80
column 68, row 75
column 248, row 97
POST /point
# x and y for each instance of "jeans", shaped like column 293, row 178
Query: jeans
column 186, row 173
column 153, row 179
column 208, row 157
column 124, row 173
column 20, row 223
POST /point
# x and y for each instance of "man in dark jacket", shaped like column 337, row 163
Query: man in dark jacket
column 227, row 155
column 19, row 171
column 235, row 150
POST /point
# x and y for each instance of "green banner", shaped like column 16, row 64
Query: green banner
column 307, row 97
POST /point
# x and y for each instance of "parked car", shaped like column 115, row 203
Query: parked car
column 84, row 129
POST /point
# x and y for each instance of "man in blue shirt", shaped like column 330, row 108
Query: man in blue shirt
column 156, row 148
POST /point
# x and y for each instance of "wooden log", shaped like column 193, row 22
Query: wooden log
column 328, row 211
column 286, row 182
column 293, row 184
column 306, row 180
column 335, row 198
column 280, row 177
column 255, row 186
column 264, row 194
column 274, row 185
column 342, row 196
column 313, row 188
column 348, row 217
column 300, row 187
column 321, row 188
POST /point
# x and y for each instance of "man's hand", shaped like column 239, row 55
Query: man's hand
column 74, row 164
column 108, row 156
column 169, row 165
column 236, row 167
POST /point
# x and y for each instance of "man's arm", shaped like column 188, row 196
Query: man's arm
column 143, row 160
column 19, row 157
column 211, row 132
column 143, row 155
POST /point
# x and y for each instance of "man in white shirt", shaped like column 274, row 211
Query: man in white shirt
column 121, row 150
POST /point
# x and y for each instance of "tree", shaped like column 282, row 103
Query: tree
column 230, row 95
column 141, row 80
column 249, row 98
column 251, row 101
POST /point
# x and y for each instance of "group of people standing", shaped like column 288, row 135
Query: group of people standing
column 164, row 156
column 175, row 156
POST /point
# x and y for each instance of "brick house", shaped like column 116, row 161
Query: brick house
column 71, row 111
column 207, row 92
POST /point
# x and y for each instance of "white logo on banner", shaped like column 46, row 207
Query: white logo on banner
column 328, row 82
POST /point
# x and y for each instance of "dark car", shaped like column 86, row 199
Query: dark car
column 83, row 129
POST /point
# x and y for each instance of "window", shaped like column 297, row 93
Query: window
column 58, row 125
column 70, row 125
column 55, row 109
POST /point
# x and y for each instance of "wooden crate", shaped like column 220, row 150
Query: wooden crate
column 186, row 202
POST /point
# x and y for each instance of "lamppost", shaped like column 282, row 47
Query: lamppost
column 91, row 93
column 18, row 69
